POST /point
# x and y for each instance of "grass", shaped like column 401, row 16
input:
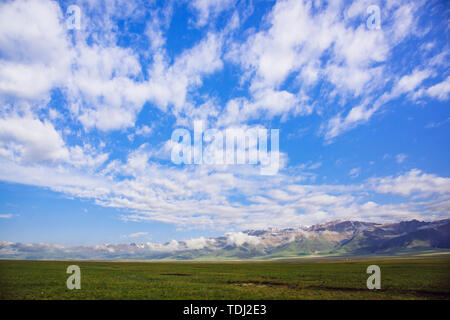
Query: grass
column 401, row 278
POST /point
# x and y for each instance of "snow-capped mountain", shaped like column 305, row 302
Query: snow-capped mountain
column 336, row 238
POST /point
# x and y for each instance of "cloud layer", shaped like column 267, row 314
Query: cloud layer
column 76, row 104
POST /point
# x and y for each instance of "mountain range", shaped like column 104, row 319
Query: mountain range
column 335, row 238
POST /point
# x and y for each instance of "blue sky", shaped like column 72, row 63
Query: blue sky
column 87, row 114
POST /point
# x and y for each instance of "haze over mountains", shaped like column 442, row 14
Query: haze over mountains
column 335, row 238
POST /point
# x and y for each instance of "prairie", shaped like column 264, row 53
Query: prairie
column 401, row 278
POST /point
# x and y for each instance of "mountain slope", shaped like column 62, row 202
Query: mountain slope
column 337, row 238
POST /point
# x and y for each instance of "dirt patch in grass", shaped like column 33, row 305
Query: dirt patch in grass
column 263, row 284
column 334, row 289
column 418, row 293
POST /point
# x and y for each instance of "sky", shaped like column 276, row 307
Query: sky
column 87, row 113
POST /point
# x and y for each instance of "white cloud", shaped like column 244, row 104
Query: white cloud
column 106, row 89
column 400, row 157
column 296, row 36
column 437, row 124
column 103, row 81
column 34, row 51
column 339, row 124
column 271, row 102
column 144, row 130
column 239, row 238
column 101, row 89
column 315, row 166
column 170, row 84
column 414, row 181
column 441, row 90
column 364, row 112
column 202, row 196
column 137, row 235
column 31, row 140
column 6, row 216
column 199, row 243
column 410, row 82
column 207, row 9
column 355, row 172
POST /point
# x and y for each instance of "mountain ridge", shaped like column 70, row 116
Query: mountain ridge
column 333, row 238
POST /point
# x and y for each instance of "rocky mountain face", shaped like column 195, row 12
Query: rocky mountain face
column 356, row 238
column 335, row 238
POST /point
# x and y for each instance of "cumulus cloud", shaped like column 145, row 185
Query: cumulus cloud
column 101, row 88
column 31, row 139
column 240, row 238
column 415, row 181
column 207, row 8
column 170, row 84
column 299, row 34
column 303, row 58
column 199, row 243
column 103, row 81
column 34, row 50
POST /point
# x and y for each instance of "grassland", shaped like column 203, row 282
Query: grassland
column 401, row 278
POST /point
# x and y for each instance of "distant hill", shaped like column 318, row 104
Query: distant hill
column 335, row 238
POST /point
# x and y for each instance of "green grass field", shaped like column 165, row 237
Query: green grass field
column 401, row 278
